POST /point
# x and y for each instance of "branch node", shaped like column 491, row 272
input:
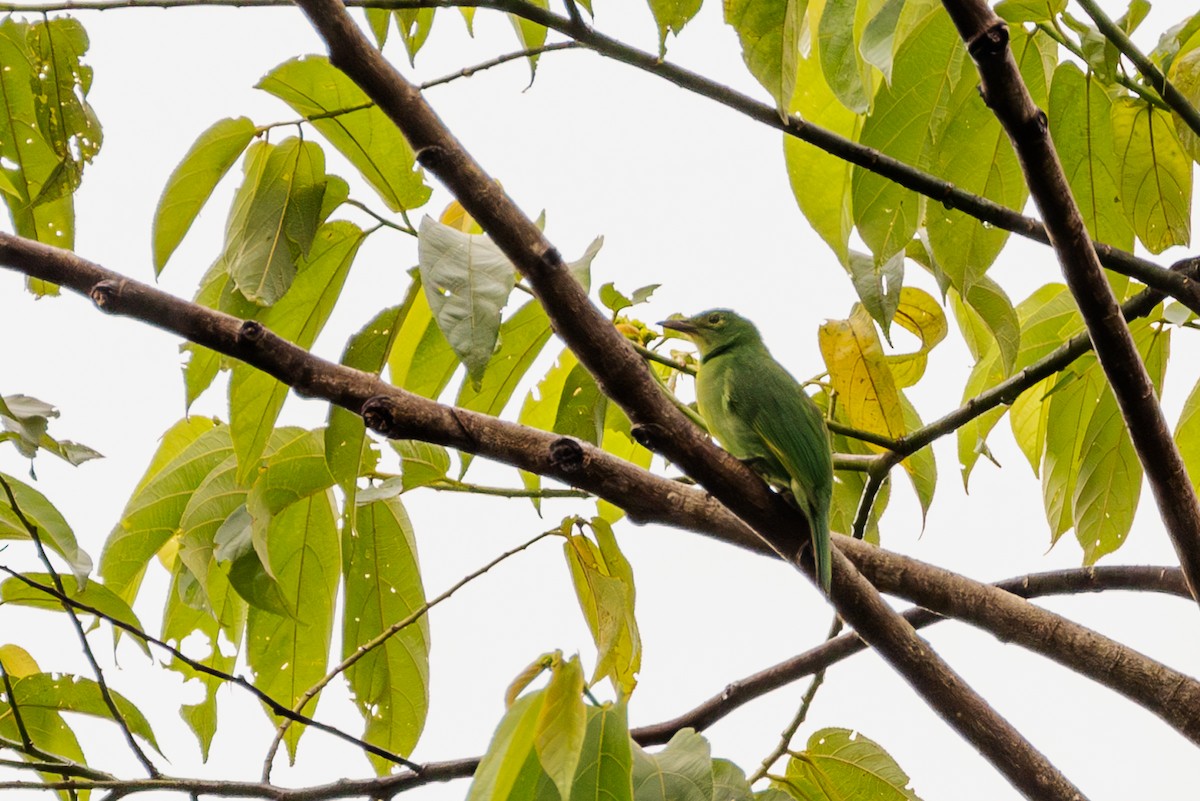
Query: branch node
column 432, row 157
column 647, row 435
column 990, row 43
column 551, row 259
column 566, row 454
column 251, row 332
column 379, row 414
column 104, row 293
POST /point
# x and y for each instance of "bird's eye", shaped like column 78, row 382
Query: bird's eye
column 715, row 319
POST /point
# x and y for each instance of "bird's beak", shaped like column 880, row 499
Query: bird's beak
column 680, row 325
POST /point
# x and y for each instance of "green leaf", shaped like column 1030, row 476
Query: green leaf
column 820, row 181
column 770, row 34
column 467, row 281
column 383, row 587
column 193, row 181
column 275, row 217
column 840, row 763
column 24, row 422
column 618, row 440
column 878, row 286
column 366, row 137
column 921, row 467
column 1185, row 75
column 877, row 45
column 421, row 463
column 907, row 122
column 181, row 622
column 1029, row 417
column 421, row 360
column 51, row 527
column 729, row 782
column 93, row 594
column 562, row 724
column 974, row 153
column 521, row 338
column 414, row 25
column 1030, row 10
column 30, row 162
column 530, row 34
column 1187, row 434
column 506, row 754
column 1082, row 128
column 367, row 350
column 680, row 772
column 604, row 586
column 1110, row 475
column 1156, row 174
column 606, row 768
column 1071, row 408
column 988, row 318
column 65, row 117
column 152, row 515
column 289, row 654
column 66, row 693
column 672, row 15
column 255, row 398
column 838, row 32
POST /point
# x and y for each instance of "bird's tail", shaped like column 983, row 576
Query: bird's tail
column 819, row 523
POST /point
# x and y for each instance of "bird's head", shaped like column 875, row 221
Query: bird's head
column 713, row 329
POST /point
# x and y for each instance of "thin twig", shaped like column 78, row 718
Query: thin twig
column 467, row 72
column 15, row 707
column 105, row 692
column 381, row 638
column 877, row 473
column 450, row 485
column 384, row 221
column 785, row 738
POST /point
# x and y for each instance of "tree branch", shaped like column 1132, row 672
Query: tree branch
column 1180, row 287
column 1004, row 91
column 624, row 377
column 646, row 497
column 1166, row 580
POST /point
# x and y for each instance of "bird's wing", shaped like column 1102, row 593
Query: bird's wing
column 791, row 426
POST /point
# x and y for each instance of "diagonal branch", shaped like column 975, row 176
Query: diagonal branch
column 1180, row 287
column 1004, row 91
column 646, row 497
column 624, row 377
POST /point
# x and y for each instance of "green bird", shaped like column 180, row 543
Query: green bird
column 761, row 415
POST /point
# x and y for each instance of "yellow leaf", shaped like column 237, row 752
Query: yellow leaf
column 17, row 661
column 457, row 218
column 860, row 374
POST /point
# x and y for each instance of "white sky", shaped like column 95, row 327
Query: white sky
column 686, row 193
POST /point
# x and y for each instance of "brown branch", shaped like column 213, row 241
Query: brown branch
column 1183, row 288
column 1166, row 580
column 624, row 377
column 1004, row 91
column 645, row 497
